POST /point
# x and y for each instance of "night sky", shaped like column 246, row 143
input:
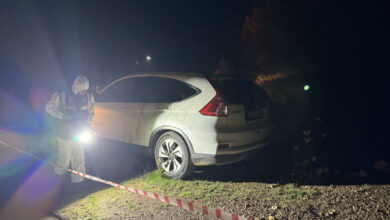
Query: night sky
column 52, row 40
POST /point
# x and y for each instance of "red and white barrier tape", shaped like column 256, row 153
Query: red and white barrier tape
column 218, row 213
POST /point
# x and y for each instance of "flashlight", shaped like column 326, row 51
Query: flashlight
column 85, row 136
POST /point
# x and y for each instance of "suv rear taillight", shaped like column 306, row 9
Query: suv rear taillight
column 216, row 107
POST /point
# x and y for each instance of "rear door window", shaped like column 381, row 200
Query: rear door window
column 162, row 90
column 147, row 90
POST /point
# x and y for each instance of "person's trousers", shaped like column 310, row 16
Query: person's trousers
column 70, row 152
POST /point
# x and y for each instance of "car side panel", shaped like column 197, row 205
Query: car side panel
column 130, row 121
column 152, row 116
column 107, row 121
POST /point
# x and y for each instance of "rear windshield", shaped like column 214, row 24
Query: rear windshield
column 241, row 92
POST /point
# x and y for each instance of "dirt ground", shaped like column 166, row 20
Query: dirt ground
column 327, row 202
column 275, row 201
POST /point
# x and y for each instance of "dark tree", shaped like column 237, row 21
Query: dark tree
column 273, row 38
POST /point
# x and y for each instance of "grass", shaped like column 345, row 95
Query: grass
column 97, row 205
column 198, row 189
column 367, row 187
column 87, row 209
column 132, row 206
column 100, row 205
column 291, row 193
column 206, row 190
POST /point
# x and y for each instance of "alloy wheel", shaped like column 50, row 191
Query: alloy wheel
column 171, row 156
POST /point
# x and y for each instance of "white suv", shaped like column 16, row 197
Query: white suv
column 187, row 119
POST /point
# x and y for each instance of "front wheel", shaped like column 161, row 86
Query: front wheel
column 172, row 156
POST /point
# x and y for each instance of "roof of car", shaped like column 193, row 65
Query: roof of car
column 166, row 74
column 157, row 74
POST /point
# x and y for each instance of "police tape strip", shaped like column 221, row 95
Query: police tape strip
column 218, row 213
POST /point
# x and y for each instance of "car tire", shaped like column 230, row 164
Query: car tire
column 172, row 156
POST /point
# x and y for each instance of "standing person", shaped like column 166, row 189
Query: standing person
column 74, row 110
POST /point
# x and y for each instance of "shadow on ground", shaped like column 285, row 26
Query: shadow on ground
column 110, row 161
column 25, row 177
column 268, row 166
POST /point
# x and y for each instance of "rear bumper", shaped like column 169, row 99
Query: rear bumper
column 228, row 156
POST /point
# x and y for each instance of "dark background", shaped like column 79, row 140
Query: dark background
column 99, row 38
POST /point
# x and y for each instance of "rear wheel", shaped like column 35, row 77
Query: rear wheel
column 172, row 156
